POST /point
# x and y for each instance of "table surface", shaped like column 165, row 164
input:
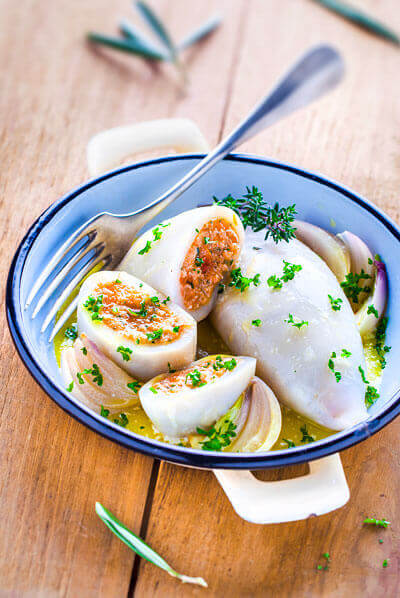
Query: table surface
column 56, row 92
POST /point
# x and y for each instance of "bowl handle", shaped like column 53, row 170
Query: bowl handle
column 110, row 148
column 322, row 490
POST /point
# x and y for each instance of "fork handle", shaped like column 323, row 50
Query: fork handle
column 317, row 71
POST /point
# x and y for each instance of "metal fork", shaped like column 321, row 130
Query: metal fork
column 105, row 238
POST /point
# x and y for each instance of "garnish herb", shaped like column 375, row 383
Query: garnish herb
column 256, row 322
column 195, row 378
column 298, row 325
column 134, row 385
column 70, row 386
column 140, row 547
column 289, row 271
column 176, row 329
column 145, row 249
column 371, row 395
column 229, row 364
column 335, row 303
column 84, row 350
column 121, row 420
column 385, row 563
column 117, row 281
column 153, row 390
column 241, row 282
column 165, row 301
column 255, row 213
column 94, row 305
column 170, row 369
column 206, row 240
column 198, row 260
column 380, row 336
column 372, row 310
column 218, row 437
column 351, row 288
column 306, row 436
column 104, row 412
column 362, row 375
column 345, row 353
column 331, row 366
column 71, row 332
column 125, row 352
column 290, row 443
column 326, row 556
column 377, row 522
column 152, row 336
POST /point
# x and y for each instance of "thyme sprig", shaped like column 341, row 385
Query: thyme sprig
column 257, row 214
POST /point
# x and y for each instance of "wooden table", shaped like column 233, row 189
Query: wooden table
column 56, row 92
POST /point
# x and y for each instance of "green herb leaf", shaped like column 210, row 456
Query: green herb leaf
column 256, row 323
column 126, row 45
column 385, row 563
column 371, row 395
column 335, row 303
column 290, row 443
column 145, row 249
column 157, row 26
column 298, row 325
column 306, row 436
column 372, row 310
column 153, row 336
column 380, row 337
column 351, row 286
column 104, row 412
column 241, row 282
column 70, row 386
column 71, row 332
column 289, row 271
column 135, row 385
column 125, row 352
column 218, row 436
column 195, row 378
column 377, row 522
column 140, row 547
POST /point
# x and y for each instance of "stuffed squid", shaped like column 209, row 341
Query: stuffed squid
column 137, row 327
column 285, row 307
column 187, row 256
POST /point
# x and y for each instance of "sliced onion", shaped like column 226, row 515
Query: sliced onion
column 263, row 419
column 331, row 249
column 113, row 394
column 367, row 322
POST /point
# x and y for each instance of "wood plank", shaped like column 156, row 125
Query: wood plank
column 351, row 136
column 57, row 93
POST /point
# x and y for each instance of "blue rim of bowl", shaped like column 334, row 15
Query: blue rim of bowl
column 156, row 449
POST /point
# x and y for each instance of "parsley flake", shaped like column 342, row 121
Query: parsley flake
column 256, row 322
column 297, row 325
column 241, row 282
column 372, row 310
column 71, row 332
column 335, row 303
column 125, row 352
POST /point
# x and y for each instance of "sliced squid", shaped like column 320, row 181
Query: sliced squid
column 196, row 397
column 95, row 380
column 296, row 321
column 187, row 256
column 137, row 327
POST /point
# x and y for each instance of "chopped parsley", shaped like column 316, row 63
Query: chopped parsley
column 71, row 332
column 155, row 300
column 153, row 390
column 290, row 443
column 380, row 337
column 306, row 436
column 362, row 375
column 218, row 436
column 229, row 364
column 345, row 353
column 104, row 412
column 94, row 372
column 94, row 305
column 198, row 260
column 331, row 366
column 327, row 557
column 165, row 301
column 371, row 395
column 153, row 336
column 125, row 352
column 377, row 522
column 84, row 350
column 121, row 420
column 298, row 325
column 385, row 563
column 195, row 378
column 256, row 322
column 145, row 249
column 351, row 287
column 117, row 281
column 372, row 310
column 335, row 303
column 70, row 386
column 255, row 213
column 142, row 313
column 289, row 271
column 135, row 385
column 206, row 240
column 171, row 369
column 176, row 329
column 241, row 282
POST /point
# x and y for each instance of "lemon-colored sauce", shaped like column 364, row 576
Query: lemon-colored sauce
column 209, row 342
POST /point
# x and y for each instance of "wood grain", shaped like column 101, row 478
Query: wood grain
column 56, row 92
